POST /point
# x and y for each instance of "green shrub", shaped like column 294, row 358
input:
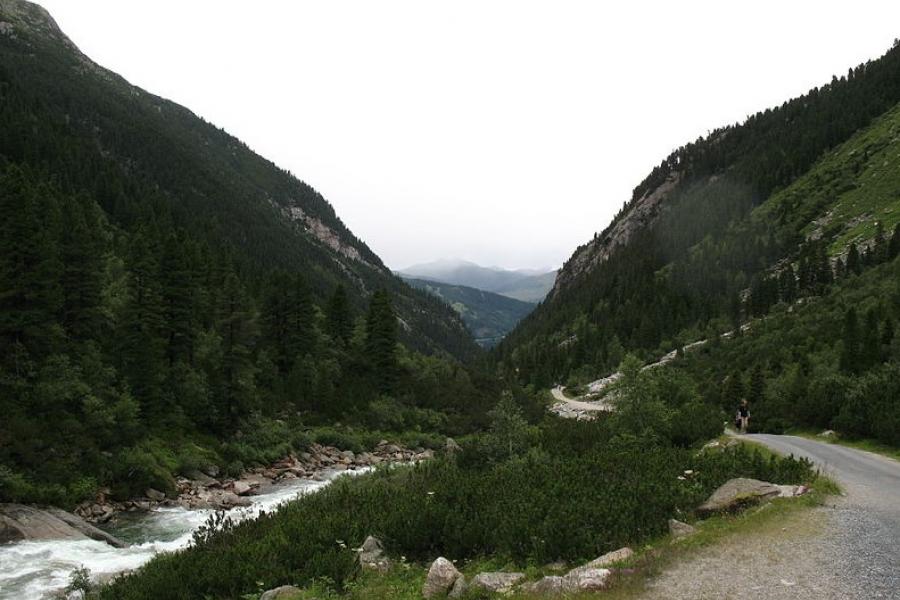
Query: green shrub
column 147, row 465
column 530, row 508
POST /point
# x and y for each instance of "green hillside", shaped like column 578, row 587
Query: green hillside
column 706, row 236
column 488, row 316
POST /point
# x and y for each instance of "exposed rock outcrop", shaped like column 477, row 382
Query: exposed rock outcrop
column 21, row 523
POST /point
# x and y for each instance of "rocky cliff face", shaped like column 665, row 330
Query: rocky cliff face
column 640, row 215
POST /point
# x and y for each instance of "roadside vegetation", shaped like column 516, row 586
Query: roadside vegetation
column 518, row 494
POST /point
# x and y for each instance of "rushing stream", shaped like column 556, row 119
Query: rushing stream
column 34, row 570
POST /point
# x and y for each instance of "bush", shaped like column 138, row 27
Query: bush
column 147, row 465
column 538, row 506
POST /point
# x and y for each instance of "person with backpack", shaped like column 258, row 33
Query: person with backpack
column 742, row 421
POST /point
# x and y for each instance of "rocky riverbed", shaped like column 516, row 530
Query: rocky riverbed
column 207, row 490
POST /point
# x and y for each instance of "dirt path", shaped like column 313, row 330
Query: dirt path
column 847, row 549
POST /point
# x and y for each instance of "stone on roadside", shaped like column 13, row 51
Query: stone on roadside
column 281, row 593
column 497, row 582
column 551, row 585
column 736, row 493
column 680, row 529
column 441, row 577
column 586, row 579
column 610, row 558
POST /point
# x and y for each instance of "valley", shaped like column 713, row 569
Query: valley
column 201, row 359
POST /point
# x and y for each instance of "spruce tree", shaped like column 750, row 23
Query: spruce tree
column 381, row 341
column 340, row 320
column 849, row 362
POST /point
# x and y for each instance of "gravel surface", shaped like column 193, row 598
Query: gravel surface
column 848, row 549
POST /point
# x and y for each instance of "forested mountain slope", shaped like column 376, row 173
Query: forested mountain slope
column 726, row 227
column 169, row 299
column 489, row 316
column 143, row 158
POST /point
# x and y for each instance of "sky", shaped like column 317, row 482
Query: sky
column 502, row 132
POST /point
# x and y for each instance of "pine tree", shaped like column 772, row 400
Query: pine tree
column 236, row 326
column 82, row 250
column 894, row 246
column 381, row 341
column 853, row 261
column 871, row 341
column 177, row 299
column 340, row 320
column 30, row 297
column 851, row 346
column 142, row 346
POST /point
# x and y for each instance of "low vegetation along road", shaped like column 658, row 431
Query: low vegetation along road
column 845, row 549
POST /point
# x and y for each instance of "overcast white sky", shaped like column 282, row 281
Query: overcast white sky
column 506, row 133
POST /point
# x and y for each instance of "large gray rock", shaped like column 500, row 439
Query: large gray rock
column 86, row 528
column 441, row 577
column 155, row 495
column 551, row 585
column 610, row 558
column 680, row 530
column 281, row 593
column 736, row 493
column 451, row 447
column 371, row 555
column 20, row 523
column 586, row 579
column 460, row 587
column 497, row 581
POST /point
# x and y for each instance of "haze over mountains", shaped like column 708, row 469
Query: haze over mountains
column 527, row 285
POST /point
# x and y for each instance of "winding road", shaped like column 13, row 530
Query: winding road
column 847, row 549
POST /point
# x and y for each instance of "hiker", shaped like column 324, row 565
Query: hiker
column 743, row 416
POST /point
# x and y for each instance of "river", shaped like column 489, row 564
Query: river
column 35, row 570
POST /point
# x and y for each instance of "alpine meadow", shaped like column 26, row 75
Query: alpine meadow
column 211, row 388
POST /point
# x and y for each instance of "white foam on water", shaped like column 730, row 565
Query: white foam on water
column 34, row 570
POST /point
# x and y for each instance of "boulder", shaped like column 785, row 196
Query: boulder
column 451, row 447
column 155, row 495
column 241, row 488
column 281, row 593
column 828, row 433
column 680, row 530
column 497, row 582
column 441, row 577
column 736, row 493
column 551, row 585
column 371, row 555
column 86, row 528
column 20, row 523
column 586, row 579
column 460, row 587
column 610, row 558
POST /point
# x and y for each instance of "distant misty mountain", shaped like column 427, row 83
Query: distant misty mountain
column 488, row 316
column 527, row 285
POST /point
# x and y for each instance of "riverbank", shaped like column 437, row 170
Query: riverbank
column 207, row 490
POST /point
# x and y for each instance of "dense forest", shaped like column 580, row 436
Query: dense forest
column 160, row 306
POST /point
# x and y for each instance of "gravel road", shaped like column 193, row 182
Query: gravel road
column 848, row 549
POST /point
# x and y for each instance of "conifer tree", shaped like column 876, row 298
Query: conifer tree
column 381, row 341
column 340, row 320
column 851, row 345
